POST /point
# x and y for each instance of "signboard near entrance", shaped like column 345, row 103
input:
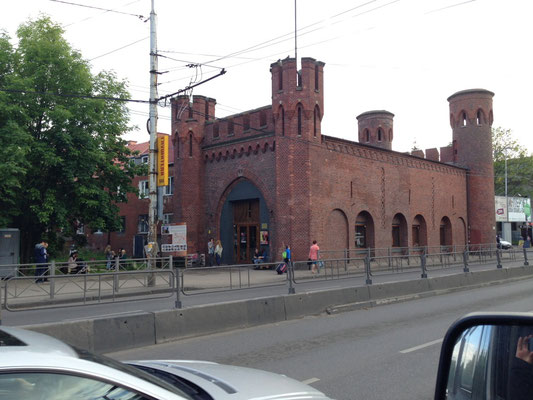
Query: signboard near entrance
column 178, row 232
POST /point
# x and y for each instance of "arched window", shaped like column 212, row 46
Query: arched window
column 399, row 231
column 445, row 234
column 316, row 121
column 280, row 80
column 206, row 111
column 367, row 135
column 190, row 144
column 282, row 121
column 364, row 230
column 480, row 118
column 463, row 119
column 191, row 114
column 380, row 135
column 299, row 120
column 316, row 77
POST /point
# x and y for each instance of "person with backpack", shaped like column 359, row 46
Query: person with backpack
column 286, row 255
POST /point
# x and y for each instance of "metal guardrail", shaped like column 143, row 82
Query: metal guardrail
column 229, row 278
column 139, row 279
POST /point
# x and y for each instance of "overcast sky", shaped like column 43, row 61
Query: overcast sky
column 403, row 56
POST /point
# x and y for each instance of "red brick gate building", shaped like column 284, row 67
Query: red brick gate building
column 269, row 177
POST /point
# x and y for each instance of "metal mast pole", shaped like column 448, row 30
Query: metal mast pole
column 152, row 212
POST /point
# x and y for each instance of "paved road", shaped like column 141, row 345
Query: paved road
column 387, row 352
column 64, row 313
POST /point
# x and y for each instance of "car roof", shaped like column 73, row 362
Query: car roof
column 16, row 339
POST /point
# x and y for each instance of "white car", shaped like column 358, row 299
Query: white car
column 34, row 366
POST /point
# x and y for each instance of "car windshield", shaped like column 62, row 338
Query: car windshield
column 108, row 362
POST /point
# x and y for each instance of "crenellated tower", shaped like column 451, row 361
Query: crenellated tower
column 471, row 119
column 297, row 107
column 376, row 128
column 188, row 131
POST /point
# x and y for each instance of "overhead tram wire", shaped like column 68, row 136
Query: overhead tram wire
column 73, row 95
column 120, row 48
column 141, row 17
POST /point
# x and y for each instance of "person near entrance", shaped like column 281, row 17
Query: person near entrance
column 211, row 251
column 218, row 252
column 313, row 256
column 41, row 258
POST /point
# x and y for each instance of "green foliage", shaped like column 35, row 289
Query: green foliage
column 63, row 158
column 519, row 165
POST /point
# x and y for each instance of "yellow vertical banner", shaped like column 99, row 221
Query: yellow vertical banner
column 162, row 160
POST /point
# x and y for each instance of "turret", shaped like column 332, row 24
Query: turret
column 471, row 119
column 376, row 128
column 188, row 131
column 298, row 98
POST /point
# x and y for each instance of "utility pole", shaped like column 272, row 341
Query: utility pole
column 152, row 211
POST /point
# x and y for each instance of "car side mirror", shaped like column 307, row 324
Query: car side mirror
column 487, row 356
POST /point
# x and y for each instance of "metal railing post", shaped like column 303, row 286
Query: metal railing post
column 176, row 270
column 423, row 264
column 389, row 257
column 465, row 261
column 346, row 261
column 292, row 290
column 367, row 268
column 526, row 262
column 115, row 276
column 498, row 258
column 52, row 270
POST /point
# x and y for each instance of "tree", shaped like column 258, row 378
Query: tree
column 519, row 165
column 69, row 164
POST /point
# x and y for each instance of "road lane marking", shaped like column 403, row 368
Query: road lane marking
column 103, row 315
column 421, row 346
column 310, row 381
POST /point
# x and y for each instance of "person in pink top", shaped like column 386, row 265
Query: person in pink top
column 313, row 256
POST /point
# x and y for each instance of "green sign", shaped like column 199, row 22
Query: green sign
column 527, row 209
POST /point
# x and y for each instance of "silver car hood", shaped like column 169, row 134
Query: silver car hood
column 237, row 383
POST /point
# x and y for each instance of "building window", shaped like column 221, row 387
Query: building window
column 367, row 135
column 144, row 160
column 144, row 189
column 280, row 80
column 169, row 189
column 207, row 111
column 122, row 227
column 316, row 77
column 191, row 114
column 463, row 118
column 142, row 225
column 190, row 144
column 167, row 218
column 231, row 128
column 80, row 230
column 380, row 135
column 299, row 120
column 246, row 123
column 282, row 122
column 316, row 119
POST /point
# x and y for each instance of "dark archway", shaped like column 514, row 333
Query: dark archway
column 445, row 232
column 244, row 224
column 364, row 230
column 399, row 231
column 419, row 234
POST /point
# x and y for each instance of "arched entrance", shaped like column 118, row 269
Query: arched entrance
column 419, row 235
column 445, row 233
column 399, row 231
column 244, row 224
column 364, row 230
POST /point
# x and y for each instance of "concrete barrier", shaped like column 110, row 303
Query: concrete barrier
column 76, row 333
column 118, row 333
column 124, row 332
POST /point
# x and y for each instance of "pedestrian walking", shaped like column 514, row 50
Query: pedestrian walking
column 218, row 252
column 109, row 257
column 211, row 251
column 41, row 259
column 313, row 256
